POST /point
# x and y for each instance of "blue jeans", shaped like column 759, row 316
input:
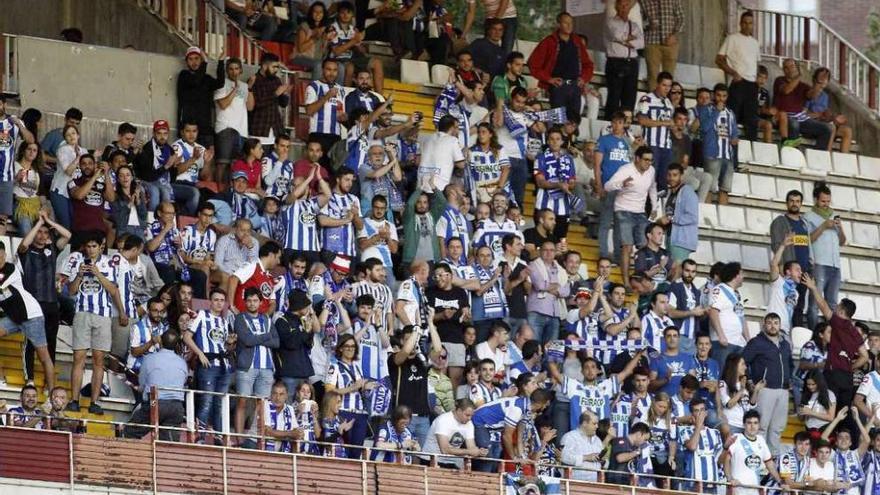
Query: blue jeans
column 687, row 345
column 157, row 192
column 358, row 432
column 606, row 220
column 187, row 196
column 828, row 283
column 812, row 128
column 509, row 36
column 61, row 206
column 546, row 328
column 483, row 437
column 519, row 175
column 420, row 426
column 720, row 353
column 561, row 419
column 212, row 379
column 662, row 159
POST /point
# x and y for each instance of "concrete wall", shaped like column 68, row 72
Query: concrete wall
column 705, row 28
column 116, row 23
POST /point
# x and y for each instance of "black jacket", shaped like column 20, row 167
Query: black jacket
column 292, row 356
column 195, row 96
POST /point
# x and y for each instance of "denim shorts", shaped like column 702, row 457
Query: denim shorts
column 631, row 226
column 256, row 382
column 34, row 329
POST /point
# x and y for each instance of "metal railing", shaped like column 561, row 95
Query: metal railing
column 201, row 23
column 814, row 43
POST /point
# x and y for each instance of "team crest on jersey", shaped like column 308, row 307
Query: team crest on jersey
column 90, row 285
column 753, row 462
column 5, row 139
column 266, row 290
column 199, row 254
column 216, row 334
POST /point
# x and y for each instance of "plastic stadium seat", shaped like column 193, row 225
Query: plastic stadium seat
column 584, row 130
column 799, row 337
column 688, row 75
column 414, row 72
column 864, row 306
column 807, row 189
column 708, row 216
column 440, row 74
column 844, row 198
column 863, row 270
column 753, row 328
column 603, row 96
column 531, row 82
column 758, row 221
column 819, row 160
column 526, row 47
column 864, row 234
column 753, row 295
column 710, row 76
column 783, row 185
column 868, row 200
column 740, row 185
column 744, row 151
column 597, row 126
column 643, row 75
column 845, row 164
column 726, row 251
column 762, row 186
column 792, row 158
column 599, row 60
column 703, row 254
column 844, row 268
column 869, row 167
column 755, row 257
column 732, row 218
column 700, row 281
column 765, row 153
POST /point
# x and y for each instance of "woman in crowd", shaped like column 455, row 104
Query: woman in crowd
column 312, row 38
column 346, row 379
column 130, row 208
column 395, row 435
column 28, row 163
column 68, row 164
column 818, row 405
column 735, row 395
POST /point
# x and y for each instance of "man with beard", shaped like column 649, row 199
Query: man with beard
column 616, row 317
column 292, row 280
column 195, row 91
column 88, row 192
column 152, row 166
column 303, row 167
column 793, row 223
column 684, row 306
column 270, row 94
column 492, row 230
column 341, row 217
column 545, row 225
column 146, row 334
column 363, row 95
column 27, row 415
column 452, row 308
column 300, row 219
column 419, row 241
column 452, row 223
column 375, row 285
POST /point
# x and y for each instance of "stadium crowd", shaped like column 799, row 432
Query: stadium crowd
column 383, row 289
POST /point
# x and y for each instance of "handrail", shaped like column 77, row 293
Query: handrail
column 201, row 23
column 809, row 40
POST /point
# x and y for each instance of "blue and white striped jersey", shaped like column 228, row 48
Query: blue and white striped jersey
column 491, row 233
column 260, row 325
column 717, row 129
column 301, row 225
column 481, row 393
column 339, row 240
column 653, row 326
column 656, row 108
column 343, row 35
column 141, row 333
column 381, row 294
column 596, row 397
column 126, row 276
column 9, row 134
column 502, row 412
column 277, row 175
column 485, row 166
column 701, row 464
column 453, row 224
column 92, row 297
column 557, row 169
column 381, row 250
column 374, row 358
column 209, row 334
column 662, row 432
column 165, row 253
column 641, row 404
column 325, row 120
column 343, row 375
column 282, row 419
column 198, row 245
column 185, row 151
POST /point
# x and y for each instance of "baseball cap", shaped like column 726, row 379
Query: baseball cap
column 193, row 49
column 583, row 292
column 160, row 124
column 239, row 175
column 341, row 264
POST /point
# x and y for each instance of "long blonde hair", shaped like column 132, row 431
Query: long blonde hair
column 653, row 417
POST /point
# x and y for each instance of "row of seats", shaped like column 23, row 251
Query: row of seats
column 767, row 187
column 813, row 162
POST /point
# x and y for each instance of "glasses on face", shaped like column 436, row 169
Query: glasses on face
column 348, row 346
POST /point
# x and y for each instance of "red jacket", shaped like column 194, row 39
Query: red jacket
column 543, row 59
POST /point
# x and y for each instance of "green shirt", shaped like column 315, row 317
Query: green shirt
column 501, row 86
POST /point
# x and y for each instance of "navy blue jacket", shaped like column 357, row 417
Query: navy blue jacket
column 769, row 361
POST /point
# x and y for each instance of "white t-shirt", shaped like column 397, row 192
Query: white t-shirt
column 483, row 352
column 870, row 388
column 456, row 433
column 439, row 155
column 733, row 414
column 781, row 303
column 816, row 406
column 731, row 323
column 816, row 472
column 575, row 445
column 235, row 115
column 747, row 460
column 742, row 54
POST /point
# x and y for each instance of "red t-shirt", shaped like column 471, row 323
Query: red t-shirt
column 793, row 102
column 844, row 346
column 88, row 213
column 302, row 168
column 254, row 275
column 253, row 170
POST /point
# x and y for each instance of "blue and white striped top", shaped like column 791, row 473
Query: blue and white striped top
column 325, row 120
column 653, row 326
column 701, row 464
column 9, row 133
column 717, row 129
column 278, row 175
column 374, row 358
column 656, row 108
column 502, row 412
column 198, row 245
column 141, row 333
column 209, row 334
column 453, row 224
column 92, row 297
column 485, row 166
column 339, row 240
column 558, row 169
column 491, row 233
column 281, row 419
column 260, row 325
column 185, row 151
column 343, row 375
column 126, row 276
column 596, row 397
column 300, row 222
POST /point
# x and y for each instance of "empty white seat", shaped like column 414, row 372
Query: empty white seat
column 740, row 185
column 845, row 273
column 807, row 190
column 440, row 74
column 792, row 158
column 531, row 82
column 688, row 75
column 597, row 126
column 765, row 153
column 864, row 306
column 732, row 218
column 753, row 328
column 758, row 221
column 603, row 95
column 863, row 270
column 700, row 281
column 864, row 234
column 783, row 185
column 819, row 160
column 414, row 72
column 844, row 197
column 599, row 59
column 799, row 337
column 584, row 130
column 868, row 200
column 753, row 295
column 726, row 251
column 710, row 76
column 762, row 186
column 708, row 216
column 845, row 164
column 526, row 47
column 869, row 167
column 755, row 257
column 744, row 151
column 703, row 255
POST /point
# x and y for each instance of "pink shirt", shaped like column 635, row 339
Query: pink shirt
column 632, row 197
column 253, row 171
